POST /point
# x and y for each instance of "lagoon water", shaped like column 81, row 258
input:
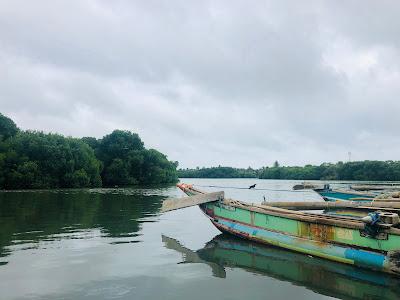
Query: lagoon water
column 114, row 244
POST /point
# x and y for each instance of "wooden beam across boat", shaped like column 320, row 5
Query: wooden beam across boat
column 178, row 203
column 394, row 200
column 338, row 204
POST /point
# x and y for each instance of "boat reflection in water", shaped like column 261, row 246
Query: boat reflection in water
column 322, row 276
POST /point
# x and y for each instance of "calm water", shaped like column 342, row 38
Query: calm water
column 113, row 244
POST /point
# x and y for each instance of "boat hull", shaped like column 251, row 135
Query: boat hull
column 329, row 242
column 332, row 195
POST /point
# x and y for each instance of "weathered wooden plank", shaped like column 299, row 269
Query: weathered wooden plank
column 178, row 203
column 396, row 200
column 338, row 204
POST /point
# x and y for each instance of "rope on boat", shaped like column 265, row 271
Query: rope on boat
column 257, row 189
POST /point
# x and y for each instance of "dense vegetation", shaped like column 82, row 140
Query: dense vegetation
column 31, row 159
column 126, row 161
column 218, row 172
column 357, row 170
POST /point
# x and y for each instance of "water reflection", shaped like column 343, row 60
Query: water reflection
column 105, row 243
column 27, row 218
column 321, row 276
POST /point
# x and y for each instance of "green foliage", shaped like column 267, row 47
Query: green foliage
column 91, row 141
column 218, row 172
column 7, row 127
column 118, row 144
column 127, row 162
column 117, row 173
column 359, row 170
column 31, row 160
column 37, row 160
column 157, row 169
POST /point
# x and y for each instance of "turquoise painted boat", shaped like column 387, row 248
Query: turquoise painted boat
column 374, row 245
column 324, row 277
column 334, row 195
column 329, row 194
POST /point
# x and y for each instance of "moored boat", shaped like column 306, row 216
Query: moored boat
column 329, row 194
column 374, row 244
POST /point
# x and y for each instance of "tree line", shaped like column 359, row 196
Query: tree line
column 37, row 160
column 367, row 170
column 218, row 172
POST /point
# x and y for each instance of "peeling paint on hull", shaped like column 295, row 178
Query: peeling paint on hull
column 336, row 253
column 333, row 243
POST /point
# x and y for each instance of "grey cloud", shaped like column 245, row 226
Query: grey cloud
column 208, row 83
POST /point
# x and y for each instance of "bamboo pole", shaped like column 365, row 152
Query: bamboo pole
column 339, row 204
column 395, row 200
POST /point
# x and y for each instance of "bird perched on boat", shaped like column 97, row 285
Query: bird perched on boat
column 252, row 186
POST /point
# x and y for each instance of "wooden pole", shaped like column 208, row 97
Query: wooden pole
column 339, row 204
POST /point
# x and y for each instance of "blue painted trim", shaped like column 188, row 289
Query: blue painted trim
column 334, row 252
column 365, row 258
column 365, row 275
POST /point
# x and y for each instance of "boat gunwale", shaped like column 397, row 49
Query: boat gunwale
column 343, row 191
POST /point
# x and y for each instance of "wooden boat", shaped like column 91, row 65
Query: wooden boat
column 329, row 194
column 373, row 244
column 324, row 277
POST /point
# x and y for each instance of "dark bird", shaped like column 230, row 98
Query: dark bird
column 252, row 186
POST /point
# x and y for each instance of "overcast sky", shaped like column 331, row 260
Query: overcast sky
column 238, row 83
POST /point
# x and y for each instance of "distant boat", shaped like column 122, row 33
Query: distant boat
column 324, row 277
column 372, row 242
column 329, row 194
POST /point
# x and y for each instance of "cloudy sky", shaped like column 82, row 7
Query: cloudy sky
column 238, row 83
